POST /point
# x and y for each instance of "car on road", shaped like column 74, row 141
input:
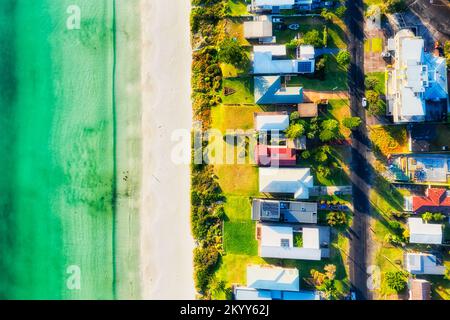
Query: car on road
column 364, row 102
column 277, row 20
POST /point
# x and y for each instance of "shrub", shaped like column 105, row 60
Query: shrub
column 438, row 217
column 294, row 116
column 340, row 11
column 306, row 154
column 352, row 122
column 230, row 51
column 427, row 217
column 393, row 6
column 396, row 280
column 336, row 218
column 313, row 38
column 321, row 156
column 323, row 171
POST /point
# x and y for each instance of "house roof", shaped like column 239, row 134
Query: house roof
column 275, row 155
column 419, row 289
column 437, row 76
column 258, row 29
column 277, row 242
column 244, row 293
column 268, row 90
column 276, row 50
column 271, row 121
column 273, row 2
column 436, row 200
column 423, row 263
column 284, row 211
column 306, row 52
column 426, row 233
column 273, row 278
column 286, row 180
column 263, row 63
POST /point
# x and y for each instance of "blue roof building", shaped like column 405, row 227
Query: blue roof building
column 268, row 90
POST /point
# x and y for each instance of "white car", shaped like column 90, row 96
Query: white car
column 364, row 102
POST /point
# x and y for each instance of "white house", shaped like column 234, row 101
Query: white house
column 423, row 263
column 426, row 233
column 265, row 64
column 273, row 5
column 273, row 278
column 307, row 58
column 296, row 181
column 271, row 122
column 258, row 29
column 416, row 88
column 277, row 241
column 273, row 283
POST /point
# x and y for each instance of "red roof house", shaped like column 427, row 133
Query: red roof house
column 436, row 200
column 275, row 156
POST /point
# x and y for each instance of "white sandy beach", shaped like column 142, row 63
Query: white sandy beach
column 166, row 241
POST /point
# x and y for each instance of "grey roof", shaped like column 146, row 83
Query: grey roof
column 284, row 211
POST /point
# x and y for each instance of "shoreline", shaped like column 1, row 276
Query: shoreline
column 166, row 243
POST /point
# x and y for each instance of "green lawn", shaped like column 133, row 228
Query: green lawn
column 338, row 109
column 336, row 33
column 243, row 88
column 335, row 78
column 237, row 8
column 233, row 117
column 389, row 139
column 381, row 76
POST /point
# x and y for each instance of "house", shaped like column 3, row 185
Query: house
column 423, row 263
column 421, row 168
column 274, row 156
column 425, row 233
column 419, row 289
column 265, row 210
column 435, row 200
column 260, row 29
column 269, row 90
column 273, row 283
column 273, row 278
column 271, row 121
column 416, row 89
column 271, row 5
column 277, row 241
column 306, row 56
column 266, row 62
column 296, row 181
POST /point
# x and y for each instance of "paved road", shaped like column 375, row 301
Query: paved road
column 360, row 172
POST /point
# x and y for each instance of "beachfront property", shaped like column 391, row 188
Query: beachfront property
column 421, row 168
column 274, row 6
column 419, row 289
column 273, row 283
column 271, row 121
column 259, row 29
column 423, row 263
column 425, row 233
column 416, row 86
column 292, row 181
column 269, row 210
column 293, row 242
column 270, row 90
column 436, row 200
column 266, row 61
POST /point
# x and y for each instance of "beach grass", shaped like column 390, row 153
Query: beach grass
column 243, row 88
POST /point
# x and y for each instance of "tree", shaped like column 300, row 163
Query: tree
column 313, row 38
column 447, row 273
column 352, row 122
column 343, row 58
column 327, row 15
column 396, row 280
column 375, row 105
column 306, row 154
column 294, row 43
column 393, row 6
column 325, row 36
column 321, row 156
column 230, row 51
column 330, row 130
column 371, row 82
column 427, row 217
column 323, row 171
column 340, row 11
column 295, row 130
column 336, row 218
column 329, row 290
column 330, row 271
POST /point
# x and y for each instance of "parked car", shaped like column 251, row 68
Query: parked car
column 277, row 20
column 364, row 102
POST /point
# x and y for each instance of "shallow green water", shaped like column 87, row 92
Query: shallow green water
column 57, row 150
